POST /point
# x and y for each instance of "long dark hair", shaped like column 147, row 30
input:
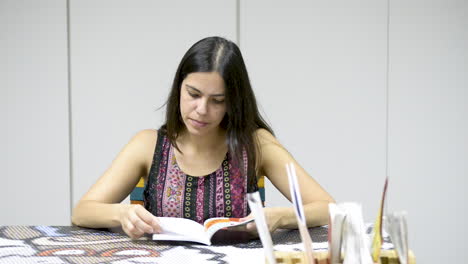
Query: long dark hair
column 242, row 118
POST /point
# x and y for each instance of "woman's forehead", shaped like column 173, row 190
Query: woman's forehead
column 205, row 82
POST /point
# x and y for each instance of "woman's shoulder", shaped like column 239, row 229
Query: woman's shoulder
column 263, row 136
column 143, row 144
column 145, row 139
column 268, row 144
column 146, row 134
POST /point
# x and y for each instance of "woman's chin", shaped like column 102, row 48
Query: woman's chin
column 197, row 131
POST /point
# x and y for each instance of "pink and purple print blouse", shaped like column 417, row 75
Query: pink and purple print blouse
column 171, row 192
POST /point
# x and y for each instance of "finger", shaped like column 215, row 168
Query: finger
column 149, row 219
column 250, row 216
column 132, row 231
column 251, row 227
column 157, row 225
column 140, row 224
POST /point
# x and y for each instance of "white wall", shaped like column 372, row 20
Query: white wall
column 337, row 80
column 428, row 124
column 34, row 95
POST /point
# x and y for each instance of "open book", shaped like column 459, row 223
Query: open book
column 182, row 229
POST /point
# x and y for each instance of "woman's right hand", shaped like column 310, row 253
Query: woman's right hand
column 136, row 221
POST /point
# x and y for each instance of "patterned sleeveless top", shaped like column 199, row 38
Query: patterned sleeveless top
column 170, row 192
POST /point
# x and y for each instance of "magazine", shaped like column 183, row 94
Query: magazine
column 183, row 229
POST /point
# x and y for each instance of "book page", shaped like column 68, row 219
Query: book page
column 181, row 229
column 212, row 225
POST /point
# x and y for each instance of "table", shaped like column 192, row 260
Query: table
column 68, row 244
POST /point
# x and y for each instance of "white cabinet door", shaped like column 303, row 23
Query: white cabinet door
column 124, row 55
column 34, row 185
column 428, row 124
column 319, row 71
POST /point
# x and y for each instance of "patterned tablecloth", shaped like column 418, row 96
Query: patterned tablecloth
column 65, row 244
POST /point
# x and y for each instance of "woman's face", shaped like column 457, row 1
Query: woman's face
column 202, row 102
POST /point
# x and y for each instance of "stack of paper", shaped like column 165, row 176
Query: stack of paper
column 355, row 241
column 395, row 225
column 335, row 232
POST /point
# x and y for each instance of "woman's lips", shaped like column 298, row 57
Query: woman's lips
column 198, row 124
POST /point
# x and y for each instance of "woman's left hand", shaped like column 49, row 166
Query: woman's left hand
column 273, row 217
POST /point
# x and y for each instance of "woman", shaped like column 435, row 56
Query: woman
column 201, row 163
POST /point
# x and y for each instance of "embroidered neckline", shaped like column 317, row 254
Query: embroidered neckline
column 176, row 165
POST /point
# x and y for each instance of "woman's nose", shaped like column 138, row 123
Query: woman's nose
column 202, row 107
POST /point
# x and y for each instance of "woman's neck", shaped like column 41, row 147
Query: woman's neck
column 202, row 143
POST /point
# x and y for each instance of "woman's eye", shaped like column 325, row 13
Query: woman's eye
column 194, row 95
column 218, row 101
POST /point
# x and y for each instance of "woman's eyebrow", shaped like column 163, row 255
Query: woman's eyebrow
column 198, row 91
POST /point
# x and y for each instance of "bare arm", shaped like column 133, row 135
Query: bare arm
column 100, row 206
column 272, row 162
